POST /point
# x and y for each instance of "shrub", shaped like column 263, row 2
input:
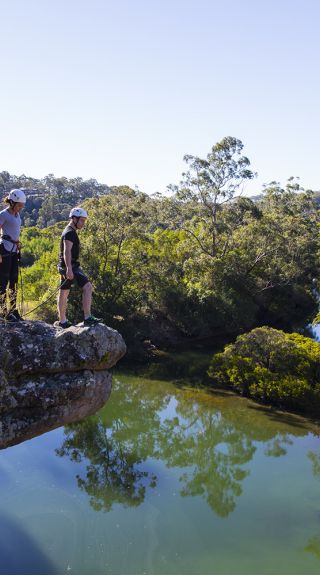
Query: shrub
column 271, row 366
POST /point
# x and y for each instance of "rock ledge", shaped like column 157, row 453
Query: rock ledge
column 50, row 377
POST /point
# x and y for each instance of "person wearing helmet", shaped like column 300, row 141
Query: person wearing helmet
column 70, row 270
column 10, row 224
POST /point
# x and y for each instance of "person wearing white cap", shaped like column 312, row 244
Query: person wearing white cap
column 10, row 224
column 70, row 270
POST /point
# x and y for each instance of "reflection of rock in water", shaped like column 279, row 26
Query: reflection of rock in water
column 51, row 401
column 210, row 445
column 50, row 377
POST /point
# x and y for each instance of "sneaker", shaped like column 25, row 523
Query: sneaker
column 63, row 324
column 91, row 320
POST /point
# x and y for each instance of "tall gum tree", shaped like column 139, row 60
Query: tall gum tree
column 210, row 183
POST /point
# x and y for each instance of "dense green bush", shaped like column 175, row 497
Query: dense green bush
column 271, row 366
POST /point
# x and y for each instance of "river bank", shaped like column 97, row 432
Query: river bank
column 273, row 367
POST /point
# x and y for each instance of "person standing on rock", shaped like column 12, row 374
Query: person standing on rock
column 70, row 270
column 10, row 224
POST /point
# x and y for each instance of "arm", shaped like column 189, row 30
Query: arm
column 67, row 258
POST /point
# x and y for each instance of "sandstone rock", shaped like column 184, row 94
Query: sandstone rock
column 50, row 377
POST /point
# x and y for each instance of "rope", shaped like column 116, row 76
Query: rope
column 21, row 290
column 47, row 299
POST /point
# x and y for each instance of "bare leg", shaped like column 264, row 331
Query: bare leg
column 86, row 299
column 62, row 304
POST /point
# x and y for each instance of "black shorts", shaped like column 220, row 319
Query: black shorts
column 79, row 277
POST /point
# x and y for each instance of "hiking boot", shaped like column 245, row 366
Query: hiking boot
column 91, row 320
column 11, row 317
column 16, row 314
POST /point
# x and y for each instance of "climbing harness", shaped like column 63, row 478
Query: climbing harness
column 9, row 239
column 14, row 243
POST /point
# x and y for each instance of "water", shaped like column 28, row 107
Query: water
column 315, row 331
column 164, row 481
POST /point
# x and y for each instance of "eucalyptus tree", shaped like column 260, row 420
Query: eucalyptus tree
column 208, row 185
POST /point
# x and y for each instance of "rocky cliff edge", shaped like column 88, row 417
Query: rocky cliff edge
column 50, row 377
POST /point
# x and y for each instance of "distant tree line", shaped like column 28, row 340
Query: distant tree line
column 50, row 199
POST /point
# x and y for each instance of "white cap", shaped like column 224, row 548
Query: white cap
column 17, row 196
column 78, row 213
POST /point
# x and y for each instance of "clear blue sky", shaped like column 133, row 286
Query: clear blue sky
column 120, row 90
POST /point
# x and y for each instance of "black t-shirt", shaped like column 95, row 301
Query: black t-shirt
column 70, row 234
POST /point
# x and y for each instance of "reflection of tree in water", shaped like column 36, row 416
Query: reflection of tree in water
column 113, row 475
column 276, row 446
column 211, row 445
column 114, row 450
column 210, row 451
column 214, row 446
column 313, row 546
column 315, row 460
